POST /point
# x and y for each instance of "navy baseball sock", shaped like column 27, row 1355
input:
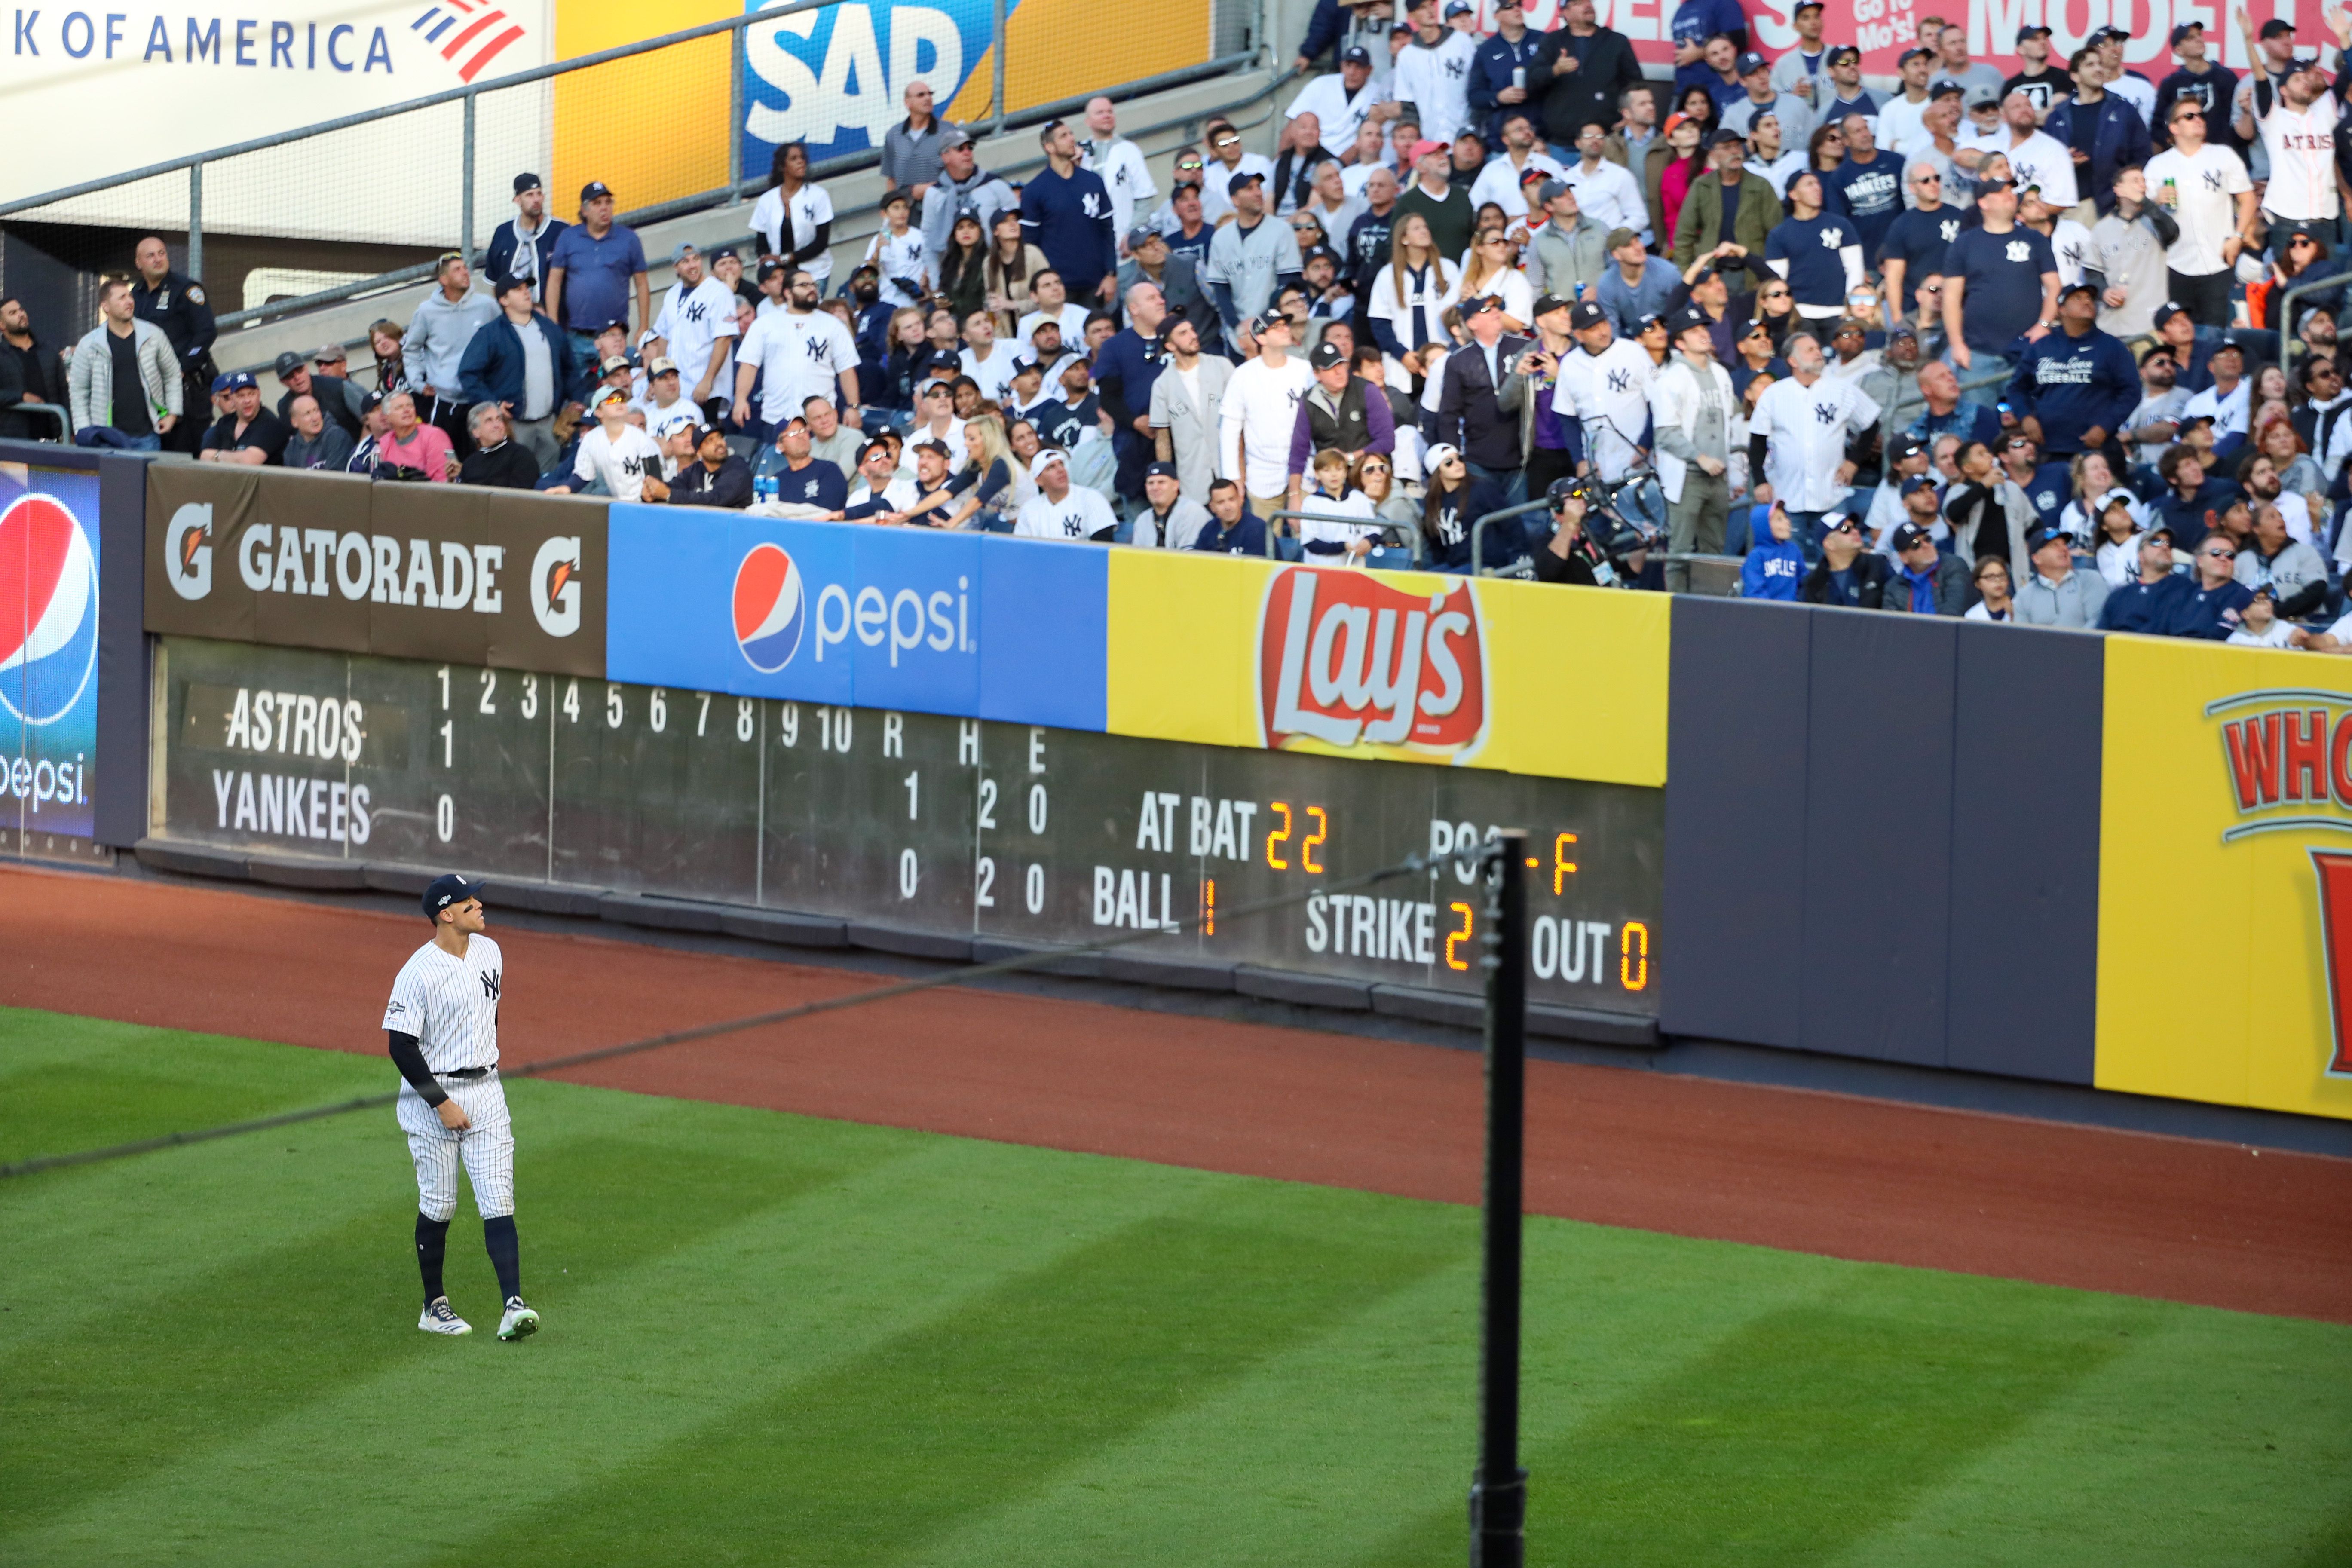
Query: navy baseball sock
column 506, row 1255
column 432, row 1241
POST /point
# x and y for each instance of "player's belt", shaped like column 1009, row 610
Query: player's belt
column 469, row 1072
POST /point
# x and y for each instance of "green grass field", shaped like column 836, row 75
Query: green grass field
column 773, row 1339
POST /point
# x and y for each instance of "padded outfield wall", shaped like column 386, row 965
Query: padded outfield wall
column 2118, row 862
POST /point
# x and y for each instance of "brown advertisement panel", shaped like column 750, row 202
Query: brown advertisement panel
column 443, row 572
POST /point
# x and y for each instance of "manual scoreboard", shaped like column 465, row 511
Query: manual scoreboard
column 922, row 821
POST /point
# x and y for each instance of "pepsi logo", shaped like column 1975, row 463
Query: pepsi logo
column 48, row 609
column 770, row 608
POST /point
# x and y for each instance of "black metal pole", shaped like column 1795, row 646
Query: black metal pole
column 1499, row 1492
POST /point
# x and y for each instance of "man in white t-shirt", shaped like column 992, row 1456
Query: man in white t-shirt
column 616, row 452
column 1344, row 101
column 1433, row 74
column 805, row 351
column 990, row 364
column 1060, row 509
column 1802, row 425
column 1119, row 162
column 1607, row 191
column 694, row 327
column 1259, row 413
column 1052, row 297
column 1900, row 130
column 2206, row 189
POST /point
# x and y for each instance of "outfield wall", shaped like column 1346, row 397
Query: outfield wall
column 1947, row 844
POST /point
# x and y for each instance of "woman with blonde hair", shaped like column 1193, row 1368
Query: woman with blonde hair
column 1408, row 304
column 1492, row 267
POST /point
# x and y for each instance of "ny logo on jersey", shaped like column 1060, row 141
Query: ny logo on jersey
column 1297, row 395
column 1950, row 228
column 1830, row 238
column 1456, row 67
column 2018, row 251
column 1620, row 380
column 815, row 347
column 1824, row 414
column 1089, row 206
column 490, row 983
column 697, row 311
column 2212, row 178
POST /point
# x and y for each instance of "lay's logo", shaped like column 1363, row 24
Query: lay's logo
column 1347, row 661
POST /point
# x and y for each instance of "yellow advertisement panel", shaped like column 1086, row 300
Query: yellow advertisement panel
column 2225, row 875
column 1516, row 676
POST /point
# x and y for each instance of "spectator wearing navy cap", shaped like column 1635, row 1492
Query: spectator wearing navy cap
column 1848, row 573
column 374, row 427
column 524, row 246
column 1340, row 412
column 523, row 361
column 247, row 434
column 1902, row 118
column 1928, row 581
column 1579, row 74
column 2045, row 85
column 1760, row 96
column 595, row 270
column 2214, row 607
column 1344, row 101
column 1470, row 415
column 1634, row 284
column 1066, row 212
column 2053, row 592
column 1692, row 410
column 1841, row 93
column 1178, row 278
column 1250, row 257
column 1166, row 520
column 2074, row 389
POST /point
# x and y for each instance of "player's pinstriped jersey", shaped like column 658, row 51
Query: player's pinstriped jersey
column 450, row 1004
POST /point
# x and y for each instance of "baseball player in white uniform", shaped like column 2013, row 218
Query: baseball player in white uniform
column 443, row 1020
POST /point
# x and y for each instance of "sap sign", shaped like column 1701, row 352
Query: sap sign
column 903, row 618
column 836, row 78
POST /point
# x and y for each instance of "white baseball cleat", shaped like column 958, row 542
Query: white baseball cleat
column 520, row 1323
column 438, row 1319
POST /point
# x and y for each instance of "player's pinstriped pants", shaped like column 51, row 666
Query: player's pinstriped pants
column 486, row 1148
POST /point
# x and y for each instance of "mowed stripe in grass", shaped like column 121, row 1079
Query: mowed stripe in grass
column 791, row 1341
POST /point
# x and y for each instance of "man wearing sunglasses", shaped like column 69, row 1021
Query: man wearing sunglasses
column 2205, row 187
column 2216, row 601
column 1913, row 251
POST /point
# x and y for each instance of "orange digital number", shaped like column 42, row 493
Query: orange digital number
column 1281, row 837
column 1208, row 906
column 1307, row 845
column 1460, row 936
column 1562, row 867
column 1633, row 955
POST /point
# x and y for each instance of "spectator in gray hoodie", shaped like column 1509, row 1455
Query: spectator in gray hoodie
column 2054, row 594
column 962, row 185
column 434, row 348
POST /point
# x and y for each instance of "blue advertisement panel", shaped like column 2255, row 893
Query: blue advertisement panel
column 908, row 619
column 48, row 648
column 834, row 77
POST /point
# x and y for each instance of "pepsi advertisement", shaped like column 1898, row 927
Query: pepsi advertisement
column 48, row 650
column 908, row 619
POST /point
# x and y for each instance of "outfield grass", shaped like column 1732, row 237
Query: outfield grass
column 773, row 1339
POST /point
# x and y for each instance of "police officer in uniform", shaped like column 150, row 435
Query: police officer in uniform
column 176, row 303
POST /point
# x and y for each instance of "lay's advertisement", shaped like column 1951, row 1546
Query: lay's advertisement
column 1162, row 645
column 2225, row 875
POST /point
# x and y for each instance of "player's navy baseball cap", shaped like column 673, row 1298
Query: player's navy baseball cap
column 1586, row 315
column 1327, row 357
column 1161, row 471
column 1358, row 55
column 443, row 891
column 593, row 189
column 1910, row 536
column 2034, row 30
column 1233, row 185
column 2049, row 533
column 1752, row 61
column 239, row 380
column 1917, row 482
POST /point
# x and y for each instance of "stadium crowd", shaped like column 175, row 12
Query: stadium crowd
column 2056, row 347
